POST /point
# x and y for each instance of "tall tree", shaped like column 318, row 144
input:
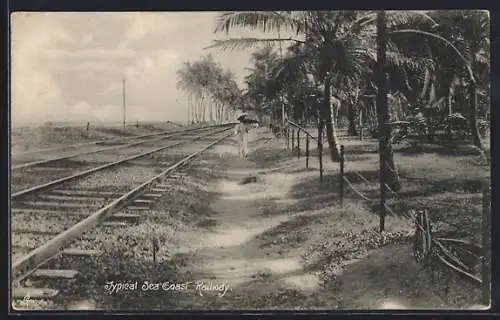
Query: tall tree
column 211, row 90
column 459, row 45
column 323, row 33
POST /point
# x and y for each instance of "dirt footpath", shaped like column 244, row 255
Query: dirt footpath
column 262, row 247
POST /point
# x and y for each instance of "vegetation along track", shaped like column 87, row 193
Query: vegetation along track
column 41, row 229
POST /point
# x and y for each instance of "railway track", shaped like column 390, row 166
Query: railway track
column 40, row 158
column 25, row 155
column 62, row 169
column 48, row 219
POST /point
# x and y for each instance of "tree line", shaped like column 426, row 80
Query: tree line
column 369, row 67
column 386, row 65
column 212, row 91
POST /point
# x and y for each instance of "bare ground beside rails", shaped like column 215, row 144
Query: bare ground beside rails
column 33, row 138
column 283, row 240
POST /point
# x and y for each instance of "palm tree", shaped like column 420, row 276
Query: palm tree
column 186, row 83
column 396, row 20
column 460, row 45
column 320, row 30
column 388, row 174
column 207, row 85
column 385, row 149
column 474, row 42
column 223, row 92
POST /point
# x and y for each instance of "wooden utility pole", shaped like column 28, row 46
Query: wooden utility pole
column 486, row 259
column 361, row 124
column 283, row 121
column 382, row 112
column 341, row 178
column 124, row 103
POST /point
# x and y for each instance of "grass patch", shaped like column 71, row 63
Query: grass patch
column 32, row 138
column 311, row 187
column 127, row 257
column 447, row 182
column 115, row 132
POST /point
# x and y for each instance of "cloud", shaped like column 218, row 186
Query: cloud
column 71, row 65
column 89, row 53
column 151, row 65
column 34, row 96
column 33, row 87
column 143, row 24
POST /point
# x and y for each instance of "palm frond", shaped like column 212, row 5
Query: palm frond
column 395, row 19
column 291, row 64
column 482, row 58
column 266, row 21
column 365, row 19
column 443, row 40
column 403, row 18
column 245, row 43
column 414, row 64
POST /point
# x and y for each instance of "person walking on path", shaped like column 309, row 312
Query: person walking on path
column 241, row 130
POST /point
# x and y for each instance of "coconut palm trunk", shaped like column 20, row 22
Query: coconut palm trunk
column 473, row 115
column 210, row 111
column 328, row 116
column 195, row 110
column 202, row 107
column 388, row 174
column 189, row 109
column 450, row 91
column 351, row 115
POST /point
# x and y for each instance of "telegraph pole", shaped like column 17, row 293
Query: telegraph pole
column 281, row 96
column 124, row 103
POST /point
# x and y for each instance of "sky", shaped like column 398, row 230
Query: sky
column 70, row 66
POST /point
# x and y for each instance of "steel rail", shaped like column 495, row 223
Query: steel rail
column 73, row 177
column 101, row 141
column 24, row 266
column 168, row 135
column 119, row 139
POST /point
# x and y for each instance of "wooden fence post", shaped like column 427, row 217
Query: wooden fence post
column 361, row 124
column 486, row 229
column 307, row 152
column 382, row 213
column 341, row 175
column 155, row 248
column 320, row 151
column 288, row 137
column 298, row 143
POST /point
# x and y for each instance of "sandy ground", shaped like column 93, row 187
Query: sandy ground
column 252, row 246
column 31, row 139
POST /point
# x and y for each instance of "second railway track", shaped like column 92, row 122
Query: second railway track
column 43, row 175
column 41, row 158
column 45, row 222
column 47, row 153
